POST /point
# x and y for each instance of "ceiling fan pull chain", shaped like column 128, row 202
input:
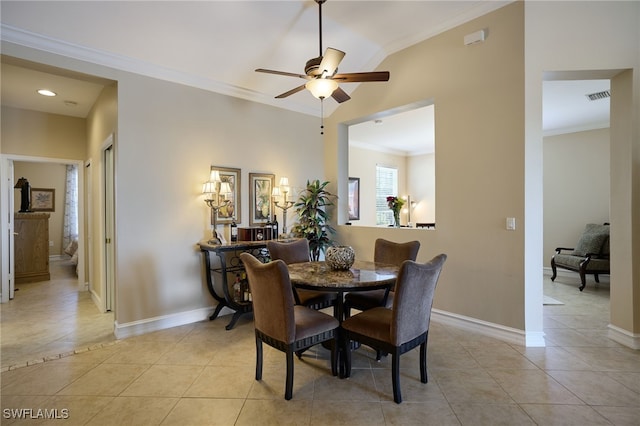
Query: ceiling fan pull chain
column 322, row 116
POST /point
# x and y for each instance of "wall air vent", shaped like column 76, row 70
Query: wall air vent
column 599, row 95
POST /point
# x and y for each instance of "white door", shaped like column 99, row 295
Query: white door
column 7, row 245
column 109, row 227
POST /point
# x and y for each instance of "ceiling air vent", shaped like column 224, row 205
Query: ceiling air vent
column 599, row 95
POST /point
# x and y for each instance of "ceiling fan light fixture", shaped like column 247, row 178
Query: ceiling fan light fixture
column 321, row 88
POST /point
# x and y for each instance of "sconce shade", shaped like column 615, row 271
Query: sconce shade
column 284, row 181
column 275, row 192
column 225, row 188
column 209, row 187
column 321, row 88
column 215, row 176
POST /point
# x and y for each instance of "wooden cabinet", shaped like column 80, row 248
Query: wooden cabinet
column 31, row 247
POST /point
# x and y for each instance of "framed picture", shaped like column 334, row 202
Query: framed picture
column 260, row 202
column 43, row 199
column 354, row 198
column 232, row 210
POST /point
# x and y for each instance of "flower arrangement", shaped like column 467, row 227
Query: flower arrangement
column 395, row 204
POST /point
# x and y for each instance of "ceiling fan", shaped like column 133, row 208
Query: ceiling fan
column 321, row 73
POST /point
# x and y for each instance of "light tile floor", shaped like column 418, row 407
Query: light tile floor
column 201, row 374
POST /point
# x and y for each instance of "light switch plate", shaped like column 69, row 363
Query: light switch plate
column 511, row 223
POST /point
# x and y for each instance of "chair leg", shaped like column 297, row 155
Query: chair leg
column 346, row 353
column 334, row 357
column 553, row 270
column 423, row 363
column 258, row 358
column 596, row 277
column 288, row 390
column 583, row 280
column 395, row 377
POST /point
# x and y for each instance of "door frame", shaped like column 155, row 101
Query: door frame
column 6, row 211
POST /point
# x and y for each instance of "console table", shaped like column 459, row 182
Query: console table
column 229, row 255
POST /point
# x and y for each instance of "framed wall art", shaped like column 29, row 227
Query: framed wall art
column 354, row 198
column 260, row 201
column 231, row 210
column 43, row 199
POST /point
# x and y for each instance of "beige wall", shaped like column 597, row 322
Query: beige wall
column 50, row 176
column 362, row 164
column 168, row 137
column 558, row 40
column 102, row 122
column 576, row 186
column 38, row 134
column 477, row 91
column 416, row 177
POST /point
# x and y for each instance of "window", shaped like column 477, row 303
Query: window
column 386, row 185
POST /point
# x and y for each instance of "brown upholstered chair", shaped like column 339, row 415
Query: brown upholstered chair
column 384, row 252
column 404, row 326
column 297, row 251
column 279, row 322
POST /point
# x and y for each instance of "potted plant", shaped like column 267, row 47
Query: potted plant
column 313, row 219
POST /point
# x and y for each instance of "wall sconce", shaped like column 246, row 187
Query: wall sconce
column 286, row 205
column 25, row 194
column 213, row 188
column 409, row 206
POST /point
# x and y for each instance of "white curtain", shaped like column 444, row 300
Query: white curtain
column 70, row 226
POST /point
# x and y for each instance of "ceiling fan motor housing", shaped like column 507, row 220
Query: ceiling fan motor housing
column 312, row 67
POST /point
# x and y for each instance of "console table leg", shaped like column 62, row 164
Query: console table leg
column 215, row 313
column 234, row 319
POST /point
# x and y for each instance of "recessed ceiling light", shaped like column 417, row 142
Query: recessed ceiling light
column 47, row 92
column 71, row 103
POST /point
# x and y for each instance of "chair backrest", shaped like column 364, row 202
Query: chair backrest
column 395, row 253
column 594, row 239
column 289, row 251
column 272, row 297
column 415, row 288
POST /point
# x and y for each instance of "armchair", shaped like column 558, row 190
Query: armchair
column 590, row 255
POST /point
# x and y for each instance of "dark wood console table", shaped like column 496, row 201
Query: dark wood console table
column 230, row 264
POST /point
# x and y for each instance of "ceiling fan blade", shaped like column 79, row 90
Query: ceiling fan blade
column 286, row 74
column 290, row 92
column 357, row 77
column 330, row 61
column 340, row 95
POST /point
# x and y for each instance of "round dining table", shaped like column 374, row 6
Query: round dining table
column 362, row 276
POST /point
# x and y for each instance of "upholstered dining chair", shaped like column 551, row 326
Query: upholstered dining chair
column 384, row 252
column 297, row 251
column 403, row 327
column 282, row 324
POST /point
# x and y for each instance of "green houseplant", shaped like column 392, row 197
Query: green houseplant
column 313, row 219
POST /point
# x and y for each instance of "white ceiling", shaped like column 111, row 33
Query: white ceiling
column 217, row 45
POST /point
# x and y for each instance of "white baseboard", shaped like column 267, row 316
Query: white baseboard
column 497, row 331
column 136, row 328
column 624, row 337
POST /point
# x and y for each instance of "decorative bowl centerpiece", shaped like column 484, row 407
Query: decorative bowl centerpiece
column 340, row 257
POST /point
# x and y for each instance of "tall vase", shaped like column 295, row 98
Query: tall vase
column 396, row 218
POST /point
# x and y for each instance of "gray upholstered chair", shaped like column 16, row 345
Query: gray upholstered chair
column 403, row 327
column 384, row 252
column 279, row 322
column 297, row 251
column 590, row 256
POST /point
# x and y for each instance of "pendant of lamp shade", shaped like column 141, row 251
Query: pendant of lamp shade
column 321, row 88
